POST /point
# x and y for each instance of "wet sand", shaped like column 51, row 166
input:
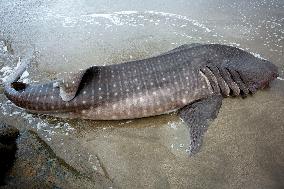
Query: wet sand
column 244, row 146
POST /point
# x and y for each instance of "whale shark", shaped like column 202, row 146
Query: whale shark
column 191, row 79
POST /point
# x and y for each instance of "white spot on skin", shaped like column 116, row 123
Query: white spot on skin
column 83, row 111
column 115, row 94
column 85, row 92
column 67, row 104
column 152, row 83
column 184, row 101
column 84, row 102
column 114, row 85
column 100, row 89
column 52, row 97
column 52, row 107
column 100, row 97
column 37, row 98
column 127, row 101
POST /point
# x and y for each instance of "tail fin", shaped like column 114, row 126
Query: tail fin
column 19, row 70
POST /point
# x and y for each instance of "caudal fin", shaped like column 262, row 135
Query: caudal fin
column 19, row 70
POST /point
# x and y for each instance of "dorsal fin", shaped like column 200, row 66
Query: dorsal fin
column 69, row 83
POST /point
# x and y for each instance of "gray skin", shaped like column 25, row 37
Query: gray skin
column 192, row 79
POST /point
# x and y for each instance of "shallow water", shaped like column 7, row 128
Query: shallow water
column 243, row 147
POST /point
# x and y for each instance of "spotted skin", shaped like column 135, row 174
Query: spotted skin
column 130, row 90
column 140, row 88
column 191, row 78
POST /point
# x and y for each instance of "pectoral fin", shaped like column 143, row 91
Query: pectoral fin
column 198, row 116
column 69, row 84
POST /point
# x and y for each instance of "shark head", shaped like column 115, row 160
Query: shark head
column 254, row 72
